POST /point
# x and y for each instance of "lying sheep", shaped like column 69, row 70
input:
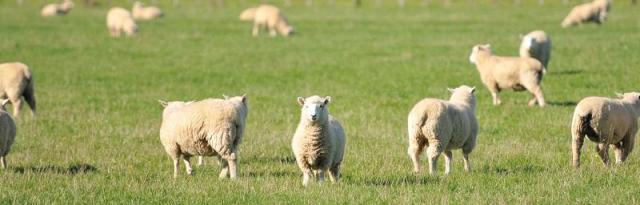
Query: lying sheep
column 16, row 82
column 57, row 9
column 443, row 126
column 140, row 12
column 120, row 20
column 319, row 141
column 537, row 45
column 211, row 127
column 517, row 73
column 267, row 16
column 596, row 11
column 7, row 133
column 606, row 122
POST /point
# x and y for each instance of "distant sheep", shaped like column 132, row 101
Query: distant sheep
column 606, row 122
column 211, row 127
column 443, row 126
column 140, row 12
column 537, row 44
column 57, row 9
column 319, row 141
column 267, row 16
column 517, row 73
column 120, row 20
column 7, row 133
column 16, row 82
column 596, row 11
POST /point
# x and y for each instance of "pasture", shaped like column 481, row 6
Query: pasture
column 95, row 136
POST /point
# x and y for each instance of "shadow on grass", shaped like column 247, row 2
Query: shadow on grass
column 280, row 159
column 563, row 103
column 567, row 72
column 509, row 170
column 272, row 174
column 399, row 180
column 71, row 170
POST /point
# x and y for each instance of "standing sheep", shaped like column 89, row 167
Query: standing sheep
column 595, row 11
column 140, row 12
column 7, row 133
column 606, row 122
column 319, row 141
column 517, row 73
column 267, row 16
column 443, row 126
column 57, row 9
column 120, row 20
column 211, row 127
column 16, row 82
column 537, row 45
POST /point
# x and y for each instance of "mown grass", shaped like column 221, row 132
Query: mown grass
column 95, row 137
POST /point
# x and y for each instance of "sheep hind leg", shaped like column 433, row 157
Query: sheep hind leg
column 576, row 146
column 617, row 150
column 224, row 165
column 415, row 150
column 627, row 146
column 433, row 152
column 496, row 98
column 306, row 176
column 255, row 30
column 200, row 161
column 3, row 162
column 187, row 165
column 334, row 173
column 603, row 152
column 16, row 102
column 448, row 158
column 233, row 166
column 320, row 175
column 176, row 167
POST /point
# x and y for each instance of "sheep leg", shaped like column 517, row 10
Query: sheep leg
column 225, row 168
column 627, row 145
column 272, row 31
column 256, row 29
column 537, row 92
column 448, row 157
column 467, row 163
column 233, row 167
column 176, row 167
column 603, row 152
column 3, row 162
column 306, row 175
column 496, row 98
column 320, row 175
column 533, row 100
column 187, row 165
column 200, row 161
column 16, row 102
column 334, row 173
column 415, row 150
column 617, row 150
column 576, row 145
column 433, row 151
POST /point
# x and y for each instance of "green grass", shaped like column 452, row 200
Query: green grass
column 95, row 138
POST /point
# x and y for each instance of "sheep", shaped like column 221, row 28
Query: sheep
column 270, row 17
column 319, row 140
column 57, row 9
column 120, row 20
column 16, row 82
column 140, row 12
column 517, row 73
column 606, row 121
column 443, row 126
column 595, row 11
column 7, row 133
column 537, row 44
column 211, row 127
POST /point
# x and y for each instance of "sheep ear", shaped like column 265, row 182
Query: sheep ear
column 451, row 90
column 619, row 95
column 327, row 100
column 162, row 102
column 300, row 100
column 473, row 89
column 4, row 102
column 225, row 96
column 244, row 99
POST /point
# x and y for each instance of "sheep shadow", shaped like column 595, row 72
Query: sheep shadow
column 277, row 174
column 398, row 180
column 70, row 170
column 567, row 72
column 563, row 103
column 505, row 170
column 279, row 159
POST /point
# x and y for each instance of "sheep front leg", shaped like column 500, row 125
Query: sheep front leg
column 256, row 29
column 233, row 167
column 3, row 162
column 224, row 165
column 603, row 152
column 448, row 157
column 200, row 161
column 320, row 175
column 187, row 165
column 16, row 102
column 617, row 150
column 467, row 163
column 306, row 176
column 627, row 145
column 433, row 151
column 334, row 173
column 176, row 167
column 537, row 92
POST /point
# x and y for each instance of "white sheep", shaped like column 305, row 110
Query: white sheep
column 57, row 9
column 319, row 141
column 595, row 11
column 537, row 44
column 7, row 133
column 443, row 126
column 211, row 127
column 141, row 12
column 120, row 20
column 606, row 122
column 267, row 16
column 517, row 73
column 16, row 82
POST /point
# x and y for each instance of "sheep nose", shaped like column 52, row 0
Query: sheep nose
column 313, row 117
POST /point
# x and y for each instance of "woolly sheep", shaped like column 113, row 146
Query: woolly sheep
column 267, row 16
column 596, row 11
column 606, row 122
column 16, row 82
column 140, row 12
column 319, row 141
column 57, row 9
column 7, row 133
column 443, row 126
column 211, row 127
column 120, row 20
column 517, row 73
column 537, row 45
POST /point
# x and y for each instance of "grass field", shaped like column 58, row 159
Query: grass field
column 95, row 137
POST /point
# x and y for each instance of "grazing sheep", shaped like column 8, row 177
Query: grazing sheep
column 140, row 12
column 270, row 17
column 16, row 82
column 537, row 45
column 7, row 133
column 319, row 141
column 57, row 9
column 596, row 11
column 606, row 122
column 211, row 127
column 120, row 20
column 443, row 126
column 517, row 73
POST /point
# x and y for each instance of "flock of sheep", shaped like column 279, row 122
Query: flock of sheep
column 215, row 127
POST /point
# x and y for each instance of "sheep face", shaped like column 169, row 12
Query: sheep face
column 473, row 58
column 3, row 104
column 285, row 29
column 130, row 27
column 314, row 108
